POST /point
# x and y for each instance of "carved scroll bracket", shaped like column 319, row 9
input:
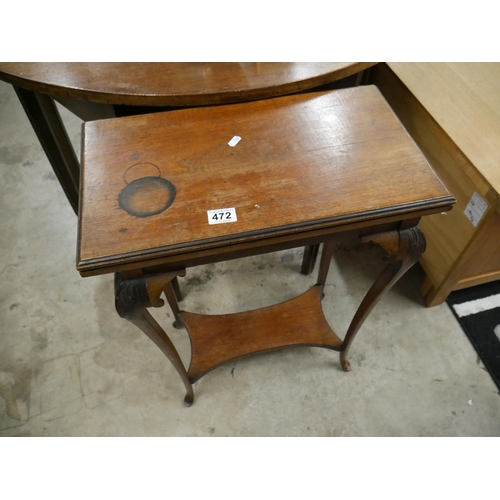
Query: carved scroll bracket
column 400, row 245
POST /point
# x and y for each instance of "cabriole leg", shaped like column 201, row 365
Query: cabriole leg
column 132, row 298
column 404, row 248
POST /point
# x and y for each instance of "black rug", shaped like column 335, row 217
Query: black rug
column 477, row 309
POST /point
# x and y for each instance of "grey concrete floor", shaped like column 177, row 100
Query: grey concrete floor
column 69, row 366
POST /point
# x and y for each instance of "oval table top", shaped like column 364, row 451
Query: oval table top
column 174, row 84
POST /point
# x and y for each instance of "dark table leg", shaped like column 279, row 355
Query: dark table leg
column 172, row 302
column 326, row 259
column 309, row 259
column 177, row 290
column 48, row 126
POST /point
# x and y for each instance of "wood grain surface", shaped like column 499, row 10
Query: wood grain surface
column 174, row 84
column 304, row 161
column 464, row 99
column 458, row 254
column 259, row 330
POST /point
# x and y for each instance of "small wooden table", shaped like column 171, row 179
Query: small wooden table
column 165, row 192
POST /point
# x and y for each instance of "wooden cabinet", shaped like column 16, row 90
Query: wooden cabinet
column 452, row 111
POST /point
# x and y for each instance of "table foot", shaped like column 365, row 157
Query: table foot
column 188, row 400
column 346, row 366
column 403, row 248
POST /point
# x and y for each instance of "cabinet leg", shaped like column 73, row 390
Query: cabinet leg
column 132, row 298
column 431, row 295
column 404, row 248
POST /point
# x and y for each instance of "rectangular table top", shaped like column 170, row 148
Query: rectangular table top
column 303, row 161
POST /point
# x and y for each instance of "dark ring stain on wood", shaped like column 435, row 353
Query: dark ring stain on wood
column 147, row 196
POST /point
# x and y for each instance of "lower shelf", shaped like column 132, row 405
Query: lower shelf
column 219, row 338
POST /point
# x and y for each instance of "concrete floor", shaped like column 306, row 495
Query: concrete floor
column 69, row 366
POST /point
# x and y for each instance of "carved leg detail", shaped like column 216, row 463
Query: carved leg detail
column 132, row 298
column 404, row 248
